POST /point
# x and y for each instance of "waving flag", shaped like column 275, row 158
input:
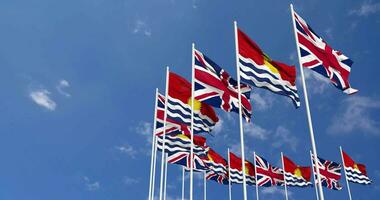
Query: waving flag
column 217, row 167
column 329, row 172
column 178, row 149
column 296, row 175
column 356, row 172
column 219, row 178
column 317, row 55
column 267, row 175
column 236, row 173
column 172, row 127
column 179, row 106
column 214, row 86
column 257, row 69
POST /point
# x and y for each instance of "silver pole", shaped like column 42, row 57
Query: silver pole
column 345, row 175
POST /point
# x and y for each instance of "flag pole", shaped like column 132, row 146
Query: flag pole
column 283, row 168
column 153, row 154
column 204, row 186
column 154, row 168
column 345, row 175
column 310, row 123
column 257, row 185
column 315, row 182
column 229, row 176
column 164, row 134
column 166, row 174
column 183, row 183
column 192, row 120
column 240, row 113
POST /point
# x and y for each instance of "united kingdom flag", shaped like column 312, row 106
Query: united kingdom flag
column 317, row 55
column 266, row 174
column 214, row 86
column 330, row 173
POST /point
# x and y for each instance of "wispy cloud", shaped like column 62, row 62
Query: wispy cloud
column 355, row 114
column 256, row 131
column 262, row 101
column 273, row 191
column 316, row 83
column 63, row 84
column 218, row 127
column 130, row 181
column 283, row 137
column 141, row 27
column 366, row 8
column 41, row 97
column 91, row 186
column 127, row 149
column 145, row 129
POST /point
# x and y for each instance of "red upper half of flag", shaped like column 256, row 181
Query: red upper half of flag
column 249, row 49
column 180, row 88
column 235, row 163
column 349, row 162
column 198, row 140
column 291, row 167
column 215, row 157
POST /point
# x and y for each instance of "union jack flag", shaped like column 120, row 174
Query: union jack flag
column 317, row 55
column 266, row 174
column 330, row 173
column 214, row 86
column 217, row 177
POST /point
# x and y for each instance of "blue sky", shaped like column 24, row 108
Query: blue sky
column 78, row 80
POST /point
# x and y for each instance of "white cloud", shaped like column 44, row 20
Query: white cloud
column 61, row 86
column 283, row 137
column 145, row 129
column 355, row 114
column 367, row 8
column 91, row 186
column 255, row 131
column 41, row 98
column 274, row 190
column 141, row 27
column 328, row 33
column 130, row 181
column 218, row 127
column 262, row 101
column 127, row 149
column 315, row 82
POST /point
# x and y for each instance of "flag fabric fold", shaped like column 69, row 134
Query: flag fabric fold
column 214, row 86
column 296, row 175
column 355, row 172
column 268, row 175
column 217, row 167
column 318, row 56
column 179, row 106
column 329, row 173
column 257, row 69
column 236, row 173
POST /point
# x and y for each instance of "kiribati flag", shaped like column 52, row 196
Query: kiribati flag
column 217, row 167
column 317, row 55
column 268, row 175
column 236, row 173
column 257, row 69
column 179, row 106
column 330, row 173
column 214, row 86
column 356, row 172
column 296, row 175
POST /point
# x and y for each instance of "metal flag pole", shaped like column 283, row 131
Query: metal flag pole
column 229, row 176
column 345, row 174
column 240, row 112
column 315, row 182
column 257, row 184
column 183, row 183
column 204, row 186
column 166, row 174
column 154, row 168
column 192, row 120
column 163, row 161
column 283, row 169
column 314, row 148
column 152, row 160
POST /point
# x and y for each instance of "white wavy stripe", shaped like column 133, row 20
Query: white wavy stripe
column 178, row 146
column 272, row 81
column 264, row 68
column 295, row 181
column 196, row 125
column 216, row 166
column 236, row 174
column 366, row 182
column 200, row 117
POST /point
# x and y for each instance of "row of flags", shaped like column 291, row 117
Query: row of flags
column 260, row 171
column 187, row 108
